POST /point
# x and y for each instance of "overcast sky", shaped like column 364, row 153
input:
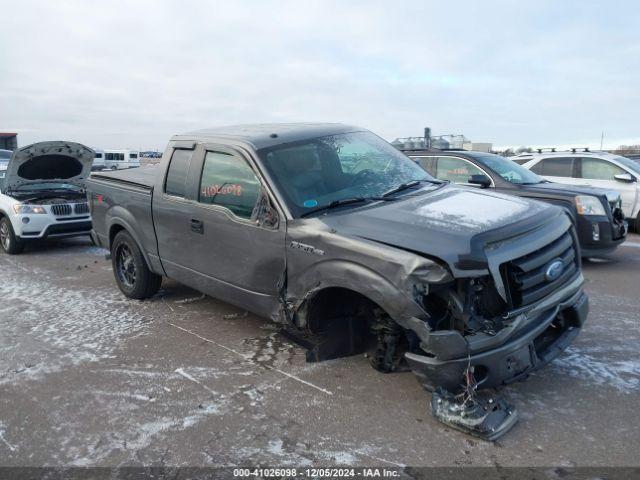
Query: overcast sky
column 130, row 74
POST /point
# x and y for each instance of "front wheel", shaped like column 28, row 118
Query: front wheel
column 132, row 273
column 8, row 240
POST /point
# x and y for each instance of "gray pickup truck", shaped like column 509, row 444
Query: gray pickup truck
column 352, row 247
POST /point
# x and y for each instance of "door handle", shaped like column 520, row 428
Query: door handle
column 197, row 226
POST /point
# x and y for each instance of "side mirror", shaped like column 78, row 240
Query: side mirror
column 625, row 177
column 480, row 179
column 265, row 215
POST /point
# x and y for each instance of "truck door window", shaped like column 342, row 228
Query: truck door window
column 597, row 169
column 176, row 181
column 229, row 181
column 456, row 170
column 554, row 167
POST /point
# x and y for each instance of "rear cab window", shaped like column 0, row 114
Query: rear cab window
column 228, row 181
column 176, row 181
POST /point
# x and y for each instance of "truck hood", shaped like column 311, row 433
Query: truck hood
column 561, row 189
column 453, row 223
column 56, row 161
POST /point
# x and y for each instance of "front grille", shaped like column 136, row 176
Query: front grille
column 81, row 208
column 526, row 277
column 61, row 209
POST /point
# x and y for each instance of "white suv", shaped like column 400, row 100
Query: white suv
column 42, row 193
column 591, row 168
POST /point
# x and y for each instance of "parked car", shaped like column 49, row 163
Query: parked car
column 330, row 231
column 596, row 169
column 42, row 194
column 596, row 213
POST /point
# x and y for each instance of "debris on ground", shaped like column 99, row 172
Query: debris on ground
column 486, row 414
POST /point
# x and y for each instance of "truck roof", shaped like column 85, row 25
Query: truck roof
column 265, row 135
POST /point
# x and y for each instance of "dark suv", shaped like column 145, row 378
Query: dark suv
column 596, row 212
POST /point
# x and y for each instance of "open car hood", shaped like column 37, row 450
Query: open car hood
column 55, row 161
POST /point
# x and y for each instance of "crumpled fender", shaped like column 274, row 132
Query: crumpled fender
column 392, row 278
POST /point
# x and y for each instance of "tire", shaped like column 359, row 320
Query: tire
column 8, row 240
column 130, row 269
column 637, row 229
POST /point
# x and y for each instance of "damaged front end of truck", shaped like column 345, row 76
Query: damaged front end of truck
column 464, row 326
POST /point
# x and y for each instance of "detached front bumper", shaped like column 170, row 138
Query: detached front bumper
column 513, row 360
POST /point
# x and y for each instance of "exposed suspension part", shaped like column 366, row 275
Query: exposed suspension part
column 389, row 348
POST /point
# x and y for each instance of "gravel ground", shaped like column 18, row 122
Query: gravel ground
column 89, row 378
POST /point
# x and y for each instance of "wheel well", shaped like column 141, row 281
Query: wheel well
column 349, row 323
column 334, row 303
column 113, row 232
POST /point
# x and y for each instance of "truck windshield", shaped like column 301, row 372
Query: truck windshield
column 317, row 172
column 507, row 169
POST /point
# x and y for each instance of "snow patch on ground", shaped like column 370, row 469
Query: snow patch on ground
column 624, row 375
column 87, row 326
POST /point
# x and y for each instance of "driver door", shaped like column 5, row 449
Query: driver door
column 236, row 240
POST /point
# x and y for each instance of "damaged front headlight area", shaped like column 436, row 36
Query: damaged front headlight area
column 455, row 310
column 467, row 306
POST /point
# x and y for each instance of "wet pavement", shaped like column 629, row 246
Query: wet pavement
column 88, row 377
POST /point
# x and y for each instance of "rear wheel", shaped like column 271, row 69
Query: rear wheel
column 8, row 240
column 132, row 273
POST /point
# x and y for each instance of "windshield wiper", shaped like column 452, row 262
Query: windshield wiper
column 336, row 203
column 409, row 184
column 344, row 201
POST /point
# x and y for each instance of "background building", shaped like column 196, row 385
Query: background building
column 8, row 141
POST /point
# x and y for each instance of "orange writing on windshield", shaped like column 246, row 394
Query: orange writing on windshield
column 224, row 189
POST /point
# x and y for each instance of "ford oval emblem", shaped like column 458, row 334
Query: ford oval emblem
column 554, row 270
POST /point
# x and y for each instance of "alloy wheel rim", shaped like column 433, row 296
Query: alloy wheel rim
column 4, row 236
column 125, row 266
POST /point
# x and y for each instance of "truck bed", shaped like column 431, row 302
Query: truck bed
column 140, row 177
column 124, row 197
